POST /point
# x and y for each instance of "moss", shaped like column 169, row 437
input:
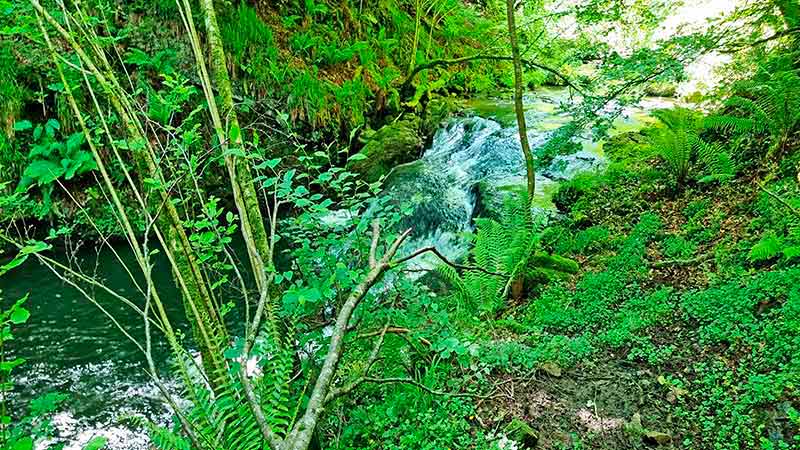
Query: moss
column 393, row 144
column 437, row 110
column 661, row 89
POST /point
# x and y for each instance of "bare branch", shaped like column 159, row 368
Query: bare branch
column 444, row 259
column 423, row 387
column 405, row 87
column 373, row 356
column 373, row 249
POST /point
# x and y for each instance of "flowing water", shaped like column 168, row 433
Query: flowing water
column 71, row 347
column 475, row 160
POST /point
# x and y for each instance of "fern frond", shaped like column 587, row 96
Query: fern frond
column 719, row 165
column 161, row 437
column 768, row 247
column 733, row 124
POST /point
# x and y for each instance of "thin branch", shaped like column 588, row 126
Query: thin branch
column 405, row 87
column 373, row 356
column 423, row 387
column 301, row 433
column 400, row 331
column 373, row 249
column 444, row 259
column 743, row 46
column 777, row 197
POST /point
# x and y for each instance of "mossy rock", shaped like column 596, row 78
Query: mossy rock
column 393, row 144
column 438, row 109
column 661, row 89
column 628, row 145
column 520, row 431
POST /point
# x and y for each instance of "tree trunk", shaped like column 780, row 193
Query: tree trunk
column 520, row 112
column 244, row 192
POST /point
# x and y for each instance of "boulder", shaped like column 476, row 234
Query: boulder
column 627, row 145
column 393, row 144
column 661, row 89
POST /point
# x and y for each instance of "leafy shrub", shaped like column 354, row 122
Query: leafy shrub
column 50, row 158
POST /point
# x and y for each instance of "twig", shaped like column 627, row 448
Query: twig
column 777, row 197
column 444, row 259
column 373, row 356
column 373, row 249
column 394, row 330
column 425, row 388
column 682, row 262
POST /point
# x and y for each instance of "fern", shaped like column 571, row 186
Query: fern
column 774, row 108
column 274, row 387
column 506, row 250
column 681, row 146
column 768, row 247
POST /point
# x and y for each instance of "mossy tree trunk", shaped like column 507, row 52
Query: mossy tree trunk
column 241, row 178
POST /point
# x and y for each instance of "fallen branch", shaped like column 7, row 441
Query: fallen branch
column 682, row 262
column 780, row 199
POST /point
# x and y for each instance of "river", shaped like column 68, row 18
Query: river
column 72, row 348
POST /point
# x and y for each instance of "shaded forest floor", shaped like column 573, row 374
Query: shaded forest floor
column 681, row 329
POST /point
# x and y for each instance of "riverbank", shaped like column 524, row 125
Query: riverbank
column 680, row 330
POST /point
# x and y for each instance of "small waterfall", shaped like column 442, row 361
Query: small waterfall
column 483, row 148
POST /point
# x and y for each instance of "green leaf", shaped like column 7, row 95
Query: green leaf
column 357, row 157
column 16, row 262
column 288, row 176
column 25, row 443
column 23, row 125
column 96, row 443
column 43, row 171
column 8, row 366
column 235, row 151
column 19, row 315
column 235, row 133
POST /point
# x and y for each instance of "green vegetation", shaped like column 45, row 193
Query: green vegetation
column 322, row 247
